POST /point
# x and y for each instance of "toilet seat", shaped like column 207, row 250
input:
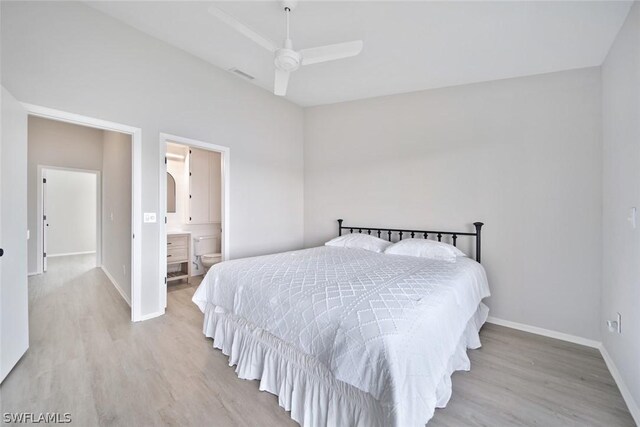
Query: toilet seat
column 211, row 257
column 208, row 260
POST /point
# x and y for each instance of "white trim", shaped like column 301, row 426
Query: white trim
column 71, row 254
column 136, row 188
column 545, row 332
column 226, row 204
column 64, row 116
column 152, row 315
column 624, row 390
column 116, row 285
column 41, row 174
column 33, row 273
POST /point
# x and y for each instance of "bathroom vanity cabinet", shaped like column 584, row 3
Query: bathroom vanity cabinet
column 178, row 256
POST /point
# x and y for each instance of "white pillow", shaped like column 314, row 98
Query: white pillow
column 426, row 249
column 362, row 241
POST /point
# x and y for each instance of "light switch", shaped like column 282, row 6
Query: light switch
column 632, row 217
column 149, row 217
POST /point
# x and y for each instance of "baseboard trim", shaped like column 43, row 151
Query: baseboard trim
column 622, row 386
column 34, row 273
column 116, row 285
column 70, row 254
column 152, row 315
column 545, row 332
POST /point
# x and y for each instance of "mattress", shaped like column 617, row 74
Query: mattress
column 347, row 336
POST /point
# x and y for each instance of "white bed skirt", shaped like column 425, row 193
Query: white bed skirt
column 306, row 387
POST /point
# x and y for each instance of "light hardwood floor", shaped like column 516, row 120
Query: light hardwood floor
column 88, row 359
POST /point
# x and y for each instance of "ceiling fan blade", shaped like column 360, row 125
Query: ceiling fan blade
column 281, row 82
column 330, row 52
column 241, row 28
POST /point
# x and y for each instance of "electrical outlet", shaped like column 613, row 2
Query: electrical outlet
column 615, row 325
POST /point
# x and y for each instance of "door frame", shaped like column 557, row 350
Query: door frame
column 225, row 153
column 136, row 188
column 40, row 230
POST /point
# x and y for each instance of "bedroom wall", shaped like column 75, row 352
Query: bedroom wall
column 53, row 143
column 621, row 138
column 522, row 155
column 116, row 210
column 71, row 200
column 116, row 73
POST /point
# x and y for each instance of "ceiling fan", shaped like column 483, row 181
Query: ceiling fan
column 286, row 59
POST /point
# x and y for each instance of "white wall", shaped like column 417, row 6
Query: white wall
column 71, row 207
column 621, row 268
column 522, row 155
column 116, row 73
column 116, row 209
column 59, row 144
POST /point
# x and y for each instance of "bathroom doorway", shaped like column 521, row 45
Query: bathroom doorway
column 194, row 191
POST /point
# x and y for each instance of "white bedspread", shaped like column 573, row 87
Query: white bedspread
column 387, row 325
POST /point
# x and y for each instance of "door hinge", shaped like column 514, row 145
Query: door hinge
column 189, row 218
column 165, row 160
column 44, row 255
column 44, row 217
column 189, row 195
column 44, row 180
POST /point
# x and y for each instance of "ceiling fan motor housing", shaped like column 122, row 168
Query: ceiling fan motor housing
column 287, row 59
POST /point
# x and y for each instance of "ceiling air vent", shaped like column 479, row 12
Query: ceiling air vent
column 241, row 74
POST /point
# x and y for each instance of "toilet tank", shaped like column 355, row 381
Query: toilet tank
column 204, row 245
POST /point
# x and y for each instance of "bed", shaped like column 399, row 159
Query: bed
column 347, row 336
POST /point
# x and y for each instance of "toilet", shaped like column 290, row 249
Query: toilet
column 206, row 249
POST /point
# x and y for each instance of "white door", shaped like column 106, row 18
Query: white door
column 45, row 220
column 14, row 318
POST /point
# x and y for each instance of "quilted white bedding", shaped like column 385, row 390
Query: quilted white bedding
column 347, row 336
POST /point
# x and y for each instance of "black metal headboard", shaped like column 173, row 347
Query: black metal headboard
column 413, row 233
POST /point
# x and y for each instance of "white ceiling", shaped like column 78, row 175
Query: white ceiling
column 408, row 46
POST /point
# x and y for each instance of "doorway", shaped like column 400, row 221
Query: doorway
column 194, row 207
column 130, row 199
column 69, row 201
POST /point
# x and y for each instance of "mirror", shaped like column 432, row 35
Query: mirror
column 171, row 194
